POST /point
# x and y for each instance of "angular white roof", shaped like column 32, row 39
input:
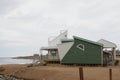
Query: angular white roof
column 57, row 40
column 107, row 44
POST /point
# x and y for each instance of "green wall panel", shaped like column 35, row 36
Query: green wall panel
column 90, row 55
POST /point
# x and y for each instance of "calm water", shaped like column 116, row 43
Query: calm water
column 14, row 61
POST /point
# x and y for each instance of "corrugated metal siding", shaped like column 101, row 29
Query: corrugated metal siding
column 90, row 55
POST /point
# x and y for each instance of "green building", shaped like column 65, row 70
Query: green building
column 81, row 51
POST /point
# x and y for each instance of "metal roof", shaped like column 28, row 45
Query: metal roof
column 107, row 44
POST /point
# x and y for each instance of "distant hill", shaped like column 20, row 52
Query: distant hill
column 35, row 56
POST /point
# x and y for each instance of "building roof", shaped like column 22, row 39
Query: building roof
column 96, row 43
column 49, row 48
column 107, row 44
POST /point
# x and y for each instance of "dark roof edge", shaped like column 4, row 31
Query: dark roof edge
column 67, row 39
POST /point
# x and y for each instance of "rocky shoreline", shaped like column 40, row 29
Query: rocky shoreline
column 8, row 77
column 35, row 56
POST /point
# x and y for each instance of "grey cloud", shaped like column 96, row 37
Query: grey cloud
column 8, row 5
column 26, row 25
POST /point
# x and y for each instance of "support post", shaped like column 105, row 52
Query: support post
column 81, row 73
column 114, row 53
column 110, row 74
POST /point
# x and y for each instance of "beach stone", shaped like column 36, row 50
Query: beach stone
column 1, row 76
column 6, row 77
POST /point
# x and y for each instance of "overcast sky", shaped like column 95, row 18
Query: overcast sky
column 25, row 25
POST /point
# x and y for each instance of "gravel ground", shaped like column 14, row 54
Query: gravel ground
column 58, row 72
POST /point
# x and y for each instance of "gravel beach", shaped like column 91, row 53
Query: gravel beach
column 59, row 72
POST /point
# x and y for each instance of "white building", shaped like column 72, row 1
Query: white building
column 52, row 47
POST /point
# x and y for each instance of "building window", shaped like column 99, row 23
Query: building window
column 80, row 46
column 53, row 52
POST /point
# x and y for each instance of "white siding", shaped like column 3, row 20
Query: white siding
column 63, row 49
column 57, row 40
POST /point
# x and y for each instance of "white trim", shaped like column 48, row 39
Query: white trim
column 78, row 46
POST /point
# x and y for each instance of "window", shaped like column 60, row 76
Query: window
column 80, row 46
column 53, row 52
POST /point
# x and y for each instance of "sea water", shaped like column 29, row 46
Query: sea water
column 8, row 60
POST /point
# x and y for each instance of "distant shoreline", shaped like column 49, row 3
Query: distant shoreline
column 26, row 57
column 14, row 60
